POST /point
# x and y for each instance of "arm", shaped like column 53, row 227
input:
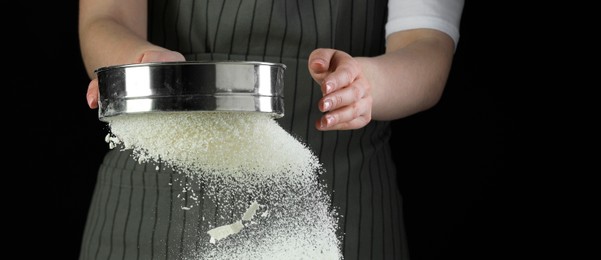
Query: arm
column 409, row 78
column 113, row 32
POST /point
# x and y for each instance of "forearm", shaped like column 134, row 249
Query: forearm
column 105, row 42
column 410, row 77
column 112, row 32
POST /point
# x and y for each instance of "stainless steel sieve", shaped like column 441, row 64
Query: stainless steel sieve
column 243, row 86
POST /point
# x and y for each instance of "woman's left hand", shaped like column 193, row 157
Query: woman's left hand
column 347, row 99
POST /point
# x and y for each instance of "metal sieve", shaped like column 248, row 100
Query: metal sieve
column 242, row 86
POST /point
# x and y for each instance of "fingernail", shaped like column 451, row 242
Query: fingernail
column 329, row 87
column 329, row 120
column 327, row 105
column 90, row 101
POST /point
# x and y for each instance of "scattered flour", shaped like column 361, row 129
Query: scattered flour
column 224, row 231
column 262, row 180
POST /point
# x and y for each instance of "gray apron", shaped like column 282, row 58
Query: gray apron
column 135, row 212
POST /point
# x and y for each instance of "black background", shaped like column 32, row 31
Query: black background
column 466, row 193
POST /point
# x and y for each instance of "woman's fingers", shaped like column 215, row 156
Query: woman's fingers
column 161, row 56
column 345, row 73
column 333, row 69
column 344, row 97
column 92, row 94
column 353, row 116
column 319, row 63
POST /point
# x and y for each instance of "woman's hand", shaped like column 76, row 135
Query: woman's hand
column 148, row 56
column 347, row 99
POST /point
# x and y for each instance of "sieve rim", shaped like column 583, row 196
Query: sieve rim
column 188, row 63
column 233, row 86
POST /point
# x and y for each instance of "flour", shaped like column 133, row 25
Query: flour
column 263, row 182
column 224, row 231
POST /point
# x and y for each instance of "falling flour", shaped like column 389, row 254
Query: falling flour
column 224, row 231
column 262, row 183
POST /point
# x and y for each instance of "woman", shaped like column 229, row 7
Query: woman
column 352, row 66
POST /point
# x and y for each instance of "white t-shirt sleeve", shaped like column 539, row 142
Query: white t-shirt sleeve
column 442, row 15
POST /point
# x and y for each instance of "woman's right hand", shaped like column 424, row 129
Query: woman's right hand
column 148, row 56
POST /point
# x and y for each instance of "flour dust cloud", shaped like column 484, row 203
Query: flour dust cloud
column 256, row 185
